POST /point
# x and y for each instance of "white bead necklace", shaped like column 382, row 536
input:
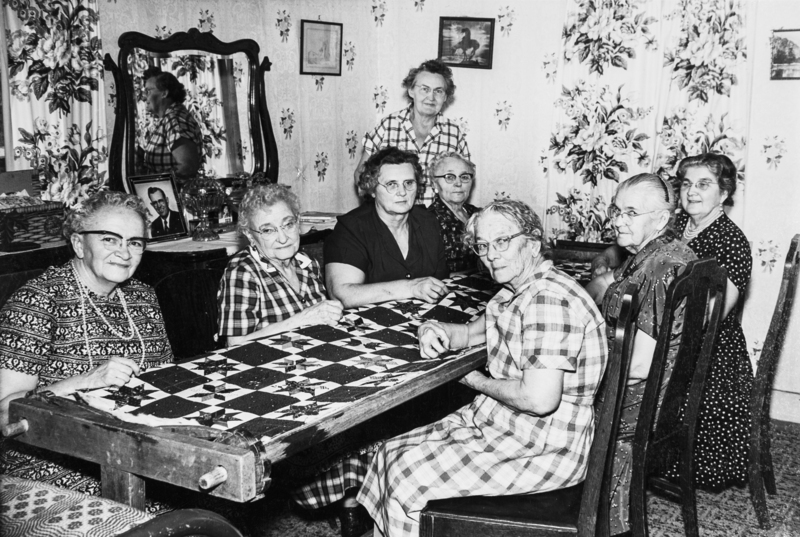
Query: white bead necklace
column 84, row 293
column 689, row 234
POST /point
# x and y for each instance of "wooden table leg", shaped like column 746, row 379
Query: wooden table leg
column 123, row 487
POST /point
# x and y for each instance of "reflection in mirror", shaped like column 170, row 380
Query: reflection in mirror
column 217, row 89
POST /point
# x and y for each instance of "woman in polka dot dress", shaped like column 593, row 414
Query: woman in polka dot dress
column 707, row 182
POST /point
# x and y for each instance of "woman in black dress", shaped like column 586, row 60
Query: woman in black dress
column 707, row 183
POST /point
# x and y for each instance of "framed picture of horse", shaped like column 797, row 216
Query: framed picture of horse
column 466, row 42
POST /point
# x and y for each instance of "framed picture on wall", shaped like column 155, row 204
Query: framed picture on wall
column 163, row 205
column 466, row 42
column 320, row 48
column 785, row 45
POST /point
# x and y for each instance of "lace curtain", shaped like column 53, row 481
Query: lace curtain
column 644, row 84
column 57, row 115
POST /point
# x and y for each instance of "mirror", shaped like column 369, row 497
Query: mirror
column 225, row 94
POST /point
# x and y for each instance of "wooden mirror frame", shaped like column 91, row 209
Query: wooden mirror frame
column 265, row 149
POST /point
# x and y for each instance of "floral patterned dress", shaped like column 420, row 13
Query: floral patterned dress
column 459, row 257
column 652, row 270
column 721, row 447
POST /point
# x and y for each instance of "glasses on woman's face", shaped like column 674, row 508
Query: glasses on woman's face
column 271, row 232
column 393, row 186
column 113, row 242
column 425, row 90
column 450, row 178
column 500, row 244
column 702, row 185
column 614, row 212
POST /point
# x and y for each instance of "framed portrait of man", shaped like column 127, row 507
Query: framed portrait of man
column 160, row 196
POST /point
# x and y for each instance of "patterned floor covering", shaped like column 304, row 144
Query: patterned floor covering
column 727, row 514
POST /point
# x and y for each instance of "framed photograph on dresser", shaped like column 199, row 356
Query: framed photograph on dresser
column 166, row 220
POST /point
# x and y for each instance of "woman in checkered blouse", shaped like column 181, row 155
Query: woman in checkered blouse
column 175, row 141
column 532, row 424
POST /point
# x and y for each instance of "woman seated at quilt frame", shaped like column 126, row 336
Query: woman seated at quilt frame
column 453, row 177
column 271, row 287
column 531, row 427
column 388, row 248
column 83, row 325
column 642, row 213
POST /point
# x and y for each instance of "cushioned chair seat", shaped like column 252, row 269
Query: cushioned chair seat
column 33, row 509
column 497, row 515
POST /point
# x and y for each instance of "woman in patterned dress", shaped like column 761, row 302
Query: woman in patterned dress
column 532, row 425
column 453, row 177
column 707, row 184
column 641, row 212
column 86, row 324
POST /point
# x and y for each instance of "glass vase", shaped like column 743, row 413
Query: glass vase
column 201, row 196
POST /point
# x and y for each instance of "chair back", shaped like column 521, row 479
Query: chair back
column 593, row 518
column 693, row 308
column 188, row 300
column 773, row 343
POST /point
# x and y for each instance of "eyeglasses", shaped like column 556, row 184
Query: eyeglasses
column 702, row 186
column 627, row 216
column 393, row 186
column 500, row 244
column 450, row 178
column 425, row 90
column 269, row 232
column 113, row 241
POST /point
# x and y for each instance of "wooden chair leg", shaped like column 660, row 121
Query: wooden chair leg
column 638, row 507
column 766, row 466
column 688, row 496
column 758, row 497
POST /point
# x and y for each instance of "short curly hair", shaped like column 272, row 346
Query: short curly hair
column 83, row 212
column 436, row 67
column 515, row 211
column 166, row 81
column 263, row 197
column 368, row 180
column 718, row 164
column 441, row 157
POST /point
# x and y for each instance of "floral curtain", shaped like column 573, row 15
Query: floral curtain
column 57, row 113
column 644, row 84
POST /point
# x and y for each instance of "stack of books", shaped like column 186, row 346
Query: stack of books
column 317, row 221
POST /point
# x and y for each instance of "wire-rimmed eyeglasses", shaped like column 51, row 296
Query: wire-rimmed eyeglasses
column 270, row 232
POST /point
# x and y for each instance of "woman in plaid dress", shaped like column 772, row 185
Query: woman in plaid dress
column 532, row 425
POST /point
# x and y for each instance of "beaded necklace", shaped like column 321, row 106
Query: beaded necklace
column 84, row 293
column 689, row 234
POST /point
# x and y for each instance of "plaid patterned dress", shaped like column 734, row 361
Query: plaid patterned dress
column 252, row 294
column 488, row 448
column 177, row 123
column 396, row 130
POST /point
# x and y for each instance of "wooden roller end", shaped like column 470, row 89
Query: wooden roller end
column 213, row 478
column 15, row 429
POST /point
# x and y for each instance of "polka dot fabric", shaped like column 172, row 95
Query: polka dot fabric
column 724, row 428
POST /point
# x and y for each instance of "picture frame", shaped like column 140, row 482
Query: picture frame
column 320, row 48
column 147, row 187
column 466, row 42
column 785, row 55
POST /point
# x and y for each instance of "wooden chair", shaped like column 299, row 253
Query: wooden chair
column 671, row 441
column 580, row 510
column 188, row 300
column 761, row 474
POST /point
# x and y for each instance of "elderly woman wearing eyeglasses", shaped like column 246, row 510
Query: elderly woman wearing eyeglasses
column 531, row 426
column 83, row 325
column 421, row 128
column 453, row 177
column 270, row 286
column 707, row 184
column 388, row 248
